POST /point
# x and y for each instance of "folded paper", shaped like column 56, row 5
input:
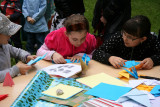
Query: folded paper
column 36, row 60
column 8, row 81
column 135, row 96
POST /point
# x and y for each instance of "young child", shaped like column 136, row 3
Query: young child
column 12, row 10
column 7, row 28
column 35, row 23
column 69, row 40
column 135, row 42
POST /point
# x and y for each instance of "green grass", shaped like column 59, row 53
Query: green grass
column 149, row 8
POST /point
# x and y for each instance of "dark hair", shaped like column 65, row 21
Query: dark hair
column 76, row 22
column 138, row 26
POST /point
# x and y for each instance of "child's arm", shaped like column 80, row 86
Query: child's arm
column 42, row 10
column 43, row 50
column 24, row 9
column 13, row 72
column 18, row 53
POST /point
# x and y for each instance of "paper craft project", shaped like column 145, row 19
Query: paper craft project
column 124, row 75
column 107, row 91
column 8, row 80
column 36, row 60
column 156, row 91
column 68, row 91
column 101, row 102
column 85, row 58
column 134, row 73
column 3, row 96
column 94, row 80
column 129, row 64
column 74, row 101
column 135, row 96
column 64, row 70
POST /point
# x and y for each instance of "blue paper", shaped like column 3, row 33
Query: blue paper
column 156, row 91
column 135, row 96
column 85, row 57
column 134, row 74
column 107, row 91
column 36, row 60
column 130, row 64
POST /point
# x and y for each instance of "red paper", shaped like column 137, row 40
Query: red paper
column 8, row 80
column 3, row 96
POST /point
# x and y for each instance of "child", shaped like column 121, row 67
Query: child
column 69, row 40
column 12, row 9
column 7, row 28
column 35, row 23
column 135, row 42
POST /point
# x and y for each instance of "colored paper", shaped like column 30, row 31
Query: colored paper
column 68, row 91
column 94, row 80
column 134, row 73
column 74, row 101
column 3, row 96
column 64, row 70
column 8, row 80
column 136, row 96
column 108, row 91
column 156, row 91
column 100, row 102
column 36, row 60
column 129, row 64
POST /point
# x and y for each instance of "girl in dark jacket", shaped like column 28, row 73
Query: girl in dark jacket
column 110, row 15
column 134, row 42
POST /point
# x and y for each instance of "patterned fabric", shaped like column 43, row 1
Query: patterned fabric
column 115, row 47
column 7, row 27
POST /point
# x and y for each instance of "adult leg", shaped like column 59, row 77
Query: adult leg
column 30, row 42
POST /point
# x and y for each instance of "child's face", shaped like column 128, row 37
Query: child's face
column 77, row 38
column 4, row 39
column 132, row 41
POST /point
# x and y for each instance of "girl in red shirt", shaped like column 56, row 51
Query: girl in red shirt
column 69, row 41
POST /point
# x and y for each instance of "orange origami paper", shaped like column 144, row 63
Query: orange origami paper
column 8, row 80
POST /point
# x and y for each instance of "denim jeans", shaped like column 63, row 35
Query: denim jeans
column 34, row 38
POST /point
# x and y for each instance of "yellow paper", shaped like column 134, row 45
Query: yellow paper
column 94, row 80
column 68, row 91
column 124, row 74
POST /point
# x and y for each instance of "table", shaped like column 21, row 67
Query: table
column 94, row 68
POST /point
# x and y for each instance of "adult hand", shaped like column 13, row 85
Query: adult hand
column 148, row 63
column 58, row 58
column 31, row 57
column 76, row 57
column 117, row 62
column 23, row 68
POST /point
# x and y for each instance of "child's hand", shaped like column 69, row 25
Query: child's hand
column 29, row 19
column 148, row 63
column 23, row 68
column 76, row 57
column 117, row 62
column 31, row 57
column 58, row 58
